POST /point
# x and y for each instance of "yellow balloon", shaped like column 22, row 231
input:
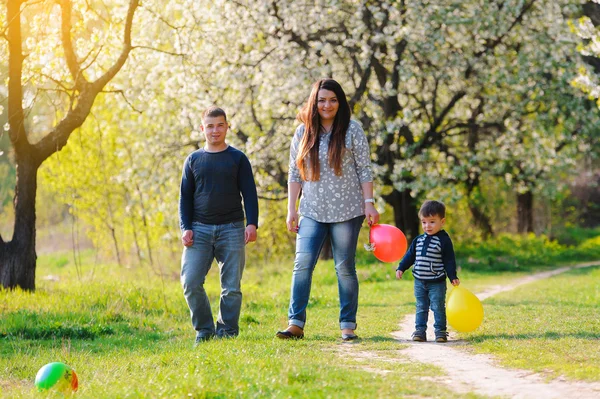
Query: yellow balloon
column 464, row 310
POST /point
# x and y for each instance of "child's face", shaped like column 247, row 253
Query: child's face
column 432, row 224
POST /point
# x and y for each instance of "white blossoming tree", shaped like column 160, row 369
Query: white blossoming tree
column 59, row 60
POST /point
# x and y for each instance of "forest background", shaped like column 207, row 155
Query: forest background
column 489, row 106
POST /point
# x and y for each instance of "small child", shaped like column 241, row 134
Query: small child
column 432, row 255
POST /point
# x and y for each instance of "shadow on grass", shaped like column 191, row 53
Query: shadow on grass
column 28, row 325
column 545, row 335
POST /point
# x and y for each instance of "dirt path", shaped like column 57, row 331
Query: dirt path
column 466, row 372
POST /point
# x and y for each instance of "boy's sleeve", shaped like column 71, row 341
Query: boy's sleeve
column 248, row 189
column 449, row 259
column 186, row 196
column 409, row 258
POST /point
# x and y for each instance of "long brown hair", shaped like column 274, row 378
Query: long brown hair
column 309, row 144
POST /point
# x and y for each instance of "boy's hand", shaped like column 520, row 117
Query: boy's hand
column 250, row 233
column 187, row 238
column 456, row 282
column 399, row 274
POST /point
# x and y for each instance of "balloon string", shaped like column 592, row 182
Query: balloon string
column 370, row 247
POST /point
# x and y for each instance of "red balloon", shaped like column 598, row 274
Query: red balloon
column 389, row 241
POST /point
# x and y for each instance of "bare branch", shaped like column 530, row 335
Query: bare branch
column 93, row 8
column 470, row 125
column 70, row 54
column 158, row 50
column 253, row 110
column 4, row 30
column 57, row 139
column 122, row 93
column 434, row 98
column 490, row 45
column 112, row 71
column 162, row 19
column 455, row 99
column 265, row 55
column 57, row 82
column 16, row 117
column 93, row 59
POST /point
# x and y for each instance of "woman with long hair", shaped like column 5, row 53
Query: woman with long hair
column 331, row 164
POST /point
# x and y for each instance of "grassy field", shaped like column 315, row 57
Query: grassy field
column 551, row 326
column 127, row 334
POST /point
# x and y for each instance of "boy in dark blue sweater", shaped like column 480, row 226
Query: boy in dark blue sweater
column 432, row 255
column 214, row 181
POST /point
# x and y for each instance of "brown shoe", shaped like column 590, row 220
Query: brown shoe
column 419, row 336
column 349, row 337
column 292, row 332
column 441, row 336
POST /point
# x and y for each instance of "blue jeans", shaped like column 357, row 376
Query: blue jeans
column 309, row 242
column 430, row 294
column 225, row 243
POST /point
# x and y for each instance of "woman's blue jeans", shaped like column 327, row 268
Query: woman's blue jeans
column 225, row 243
column 430, row 294
column 309, row 242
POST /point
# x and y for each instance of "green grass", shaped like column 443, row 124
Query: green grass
column 551, row 326
column 127, row 333
column 508, row 252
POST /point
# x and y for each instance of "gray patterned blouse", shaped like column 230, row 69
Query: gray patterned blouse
column 333, row 198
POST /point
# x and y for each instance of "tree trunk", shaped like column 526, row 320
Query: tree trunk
column 475, row 200
column 18, row 257
column 406, row 215
column 525, row 212
column 482, row 220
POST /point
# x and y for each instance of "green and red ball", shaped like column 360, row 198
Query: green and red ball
column 58, row 376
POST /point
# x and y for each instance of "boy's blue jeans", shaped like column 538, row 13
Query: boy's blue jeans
column 225, row 243
column 309, row 242
column 430, row 294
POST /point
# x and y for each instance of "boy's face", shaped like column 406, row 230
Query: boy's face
column 432, row 224
column 215, row 129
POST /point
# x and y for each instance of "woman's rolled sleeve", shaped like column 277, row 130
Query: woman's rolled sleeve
column 293, row 171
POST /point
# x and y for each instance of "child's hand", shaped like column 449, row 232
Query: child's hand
column 399, row 274
column 456, row 282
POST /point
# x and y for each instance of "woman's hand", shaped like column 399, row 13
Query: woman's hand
column 292, row 220
column 371, row 214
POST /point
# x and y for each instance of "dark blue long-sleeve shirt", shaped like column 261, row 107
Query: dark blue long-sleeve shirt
column 211, row 184
column 432, row 256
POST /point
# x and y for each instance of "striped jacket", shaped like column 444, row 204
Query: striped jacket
column 432, row 257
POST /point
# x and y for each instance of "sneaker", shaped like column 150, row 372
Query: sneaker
column 203, row 338
column 419, row 336
column 441, row 336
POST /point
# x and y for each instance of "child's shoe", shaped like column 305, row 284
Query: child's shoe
column 419, row 336
column 441, row 336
